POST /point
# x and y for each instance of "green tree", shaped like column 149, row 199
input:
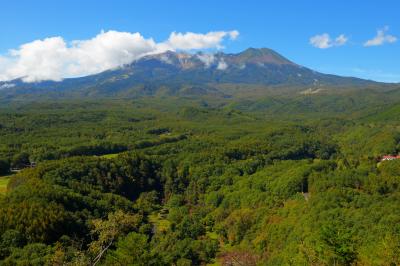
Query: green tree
column 4, row 167
column 108, row 231
column 132, row 249
column 20, row 160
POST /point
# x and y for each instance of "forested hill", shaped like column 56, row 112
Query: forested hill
column 177, row 181
column 183, row 74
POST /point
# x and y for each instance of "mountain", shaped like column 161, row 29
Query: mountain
column 172, row 73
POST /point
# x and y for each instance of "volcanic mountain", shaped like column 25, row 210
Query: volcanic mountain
column 174, row 73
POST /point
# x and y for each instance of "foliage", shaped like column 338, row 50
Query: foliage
column 191, row 182
column 4, row 167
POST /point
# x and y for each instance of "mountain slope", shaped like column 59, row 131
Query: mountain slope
column 172, row 73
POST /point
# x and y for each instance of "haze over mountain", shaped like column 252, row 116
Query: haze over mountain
column 174, row 73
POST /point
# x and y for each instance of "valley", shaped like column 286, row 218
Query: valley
column 205, row 181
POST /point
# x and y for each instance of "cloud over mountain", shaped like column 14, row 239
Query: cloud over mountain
column 54, row 59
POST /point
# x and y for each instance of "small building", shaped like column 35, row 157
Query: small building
column 390, row 157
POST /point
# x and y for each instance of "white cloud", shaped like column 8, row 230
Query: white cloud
column 341, row 40
column 54, row 59
column 321, row 41
column 324, row 41
column 233, row 34
column 222, row 65
column 6, row 86
column 3, row 62
column 381, row 38
column 190, row 40
column 207, row 59
column 166, row 59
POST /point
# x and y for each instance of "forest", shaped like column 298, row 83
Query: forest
column 198, row 181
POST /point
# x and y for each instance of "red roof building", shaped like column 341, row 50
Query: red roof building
column 390, row 157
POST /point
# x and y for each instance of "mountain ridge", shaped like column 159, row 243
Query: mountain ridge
column 177, row 71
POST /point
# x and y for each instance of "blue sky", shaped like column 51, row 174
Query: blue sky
column 285, row 26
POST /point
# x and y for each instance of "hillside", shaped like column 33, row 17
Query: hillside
column 184, row 183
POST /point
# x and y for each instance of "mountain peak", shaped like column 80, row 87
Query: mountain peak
column 250, row 56
column 251, row 51
column 264, row 56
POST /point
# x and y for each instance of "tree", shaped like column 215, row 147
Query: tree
column 237, row 224
column 341, row 242
column 108, row 231
column 4, row 167
column 37, row 220
column 147, row 201
column 20, row 160
column 31, row 254
column 131, row 250
column 9, row 240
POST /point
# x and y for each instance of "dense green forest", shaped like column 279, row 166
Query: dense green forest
column 201, row 181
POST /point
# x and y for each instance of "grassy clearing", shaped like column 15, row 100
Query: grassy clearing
column 3, row 184
column 212, row 235
column 161, row 224
column 110, row 156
